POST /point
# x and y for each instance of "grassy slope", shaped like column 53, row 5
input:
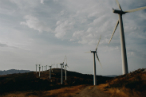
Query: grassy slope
column 31, row 82
column 62, row 92
column 129, row 85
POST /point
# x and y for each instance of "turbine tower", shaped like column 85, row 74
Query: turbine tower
column 39, row 69
column 65, row 71
column 56, row 65
column 50, row 71
column 94, row 61
column 42, row 68
column 61, row 72
column 36, row 68
column 65, row 68
column 122, row 36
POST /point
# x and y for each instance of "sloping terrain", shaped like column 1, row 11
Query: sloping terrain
column 132, row 84
column 77, row 85
column 91, row 91
column 31, row 82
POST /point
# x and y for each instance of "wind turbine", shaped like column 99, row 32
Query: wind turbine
column 94, row 61
column 39, row 69
column 61, row 72
column 42, row 68
column 65, row 68
column 123, row 46
column 36, row 68
column 56, row 65
column 50, row 71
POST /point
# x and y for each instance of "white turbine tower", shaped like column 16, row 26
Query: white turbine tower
column 56, row 65
column 50, row 71
column 36, row 68
column 61, row 72
column 39, row 69
column 123, row 46
column 65, row 71
column 65, row 66
column 46, row 67
column 94, row 62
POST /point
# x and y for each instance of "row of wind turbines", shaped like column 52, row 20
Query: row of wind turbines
column 122, row 38
column 50, row 70
column 120, row 12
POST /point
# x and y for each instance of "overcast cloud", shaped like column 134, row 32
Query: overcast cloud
column 44, row 31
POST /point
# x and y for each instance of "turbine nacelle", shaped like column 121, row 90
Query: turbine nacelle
column 118, row 11
column 93, row 51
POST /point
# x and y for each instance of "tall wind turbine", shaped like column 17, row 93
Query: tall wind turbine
column 61, row 72
column 66, row 68
column 39, row 69
column 36, row 68
column 50, row 71
column 123, row 46
column 65, row 71
column 94, row 61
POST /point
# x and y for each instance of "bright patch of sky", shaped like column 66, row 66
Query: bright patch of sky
column 44, row 31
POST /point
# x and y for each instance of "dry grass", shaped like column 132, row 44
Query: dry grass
column 131, row 85
column 63, row 92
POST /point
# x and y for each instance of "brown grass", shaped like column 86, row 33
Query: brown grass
column 120, row 91
column 63, row 92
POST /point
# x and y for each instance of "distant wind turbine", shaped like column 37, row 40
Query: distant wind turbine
column 39, row 69
column 50, row 71
column 46, row 67
column 61, row 72
column 94, row 61
column 56, row 65
column 123, row 46
column 36, row 68
column 65, row 68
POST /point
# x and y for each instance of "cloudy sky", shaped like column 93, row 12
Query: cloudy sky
column 44, row 31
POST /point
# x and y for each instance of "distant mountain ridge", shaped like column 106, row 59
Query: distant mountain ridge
column 12, row 71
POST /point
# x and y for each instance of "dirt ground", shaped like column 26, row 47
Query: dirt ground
column 91, row 91
column 75, row 91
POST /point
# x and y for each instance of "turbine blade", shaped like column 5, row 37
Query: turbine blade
column 98, row 43
column 64, row 58
column 137, row 9
column 118, row 4
column 67, row 65
column 114, row 30
column 98, row 59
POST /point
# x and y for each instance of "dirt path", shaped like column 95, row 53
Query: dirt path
column 91, row 91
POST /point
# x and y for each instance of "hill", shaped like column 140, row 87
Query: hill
column 132, row 84
column 30, row 81
column 29, row 84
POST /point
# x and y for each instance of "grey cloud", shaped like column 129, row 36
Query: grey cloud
column 3, row 45
column 33, row 22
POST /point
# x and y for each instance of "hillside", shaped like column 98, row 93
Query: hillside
column 77, row 85
column 132, row 84
column 30, row 81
